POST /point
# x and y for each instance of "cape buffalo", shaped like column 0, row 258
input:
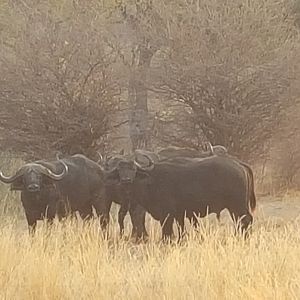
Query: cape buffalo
column 115, row 193
column 161, row 155
column 170, row 189
column 59, row 187
column 219, row 150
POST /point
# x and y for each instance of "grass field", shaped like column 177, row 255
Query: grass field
column 72, row 261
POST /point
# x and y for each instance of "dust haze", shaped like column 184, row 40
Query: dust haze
column 95, row 77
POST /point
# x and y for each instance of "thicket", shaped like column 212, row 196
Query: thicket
column 174, row 72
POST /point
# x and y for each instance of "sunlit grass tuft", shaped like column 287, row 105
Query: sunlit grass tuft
column 73, row 261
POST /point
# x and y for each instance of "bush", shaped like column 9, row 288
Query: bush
column 58, row 91
column 231, row 68
column 285, row 156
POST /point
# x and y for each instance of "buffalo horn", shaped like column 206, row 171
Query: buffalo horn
column 100, row 157
column 9, row 179
column 210, row 147
column 151, row 163
column 51, row 174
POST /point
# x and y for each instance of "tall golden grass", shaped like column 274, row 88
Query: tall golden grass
column 72, row 261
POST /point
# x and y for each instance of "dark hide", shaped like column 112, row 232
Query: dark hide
column 184, row 186
column 117, row 195
column 79, row 190
column 115, row 192
column 171, row 153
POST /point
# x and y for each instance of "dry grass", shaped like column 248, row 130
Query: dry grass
column 72, row 261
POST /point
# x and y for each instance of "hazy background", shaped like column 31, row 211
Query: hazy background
column 87, row 76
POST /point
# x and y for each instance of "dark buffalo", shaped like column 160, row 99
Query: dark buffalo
column 59, row 188
column 219, row 150
column 170, row 189
column 175, row 152
column 166, row 154
column 115, row 193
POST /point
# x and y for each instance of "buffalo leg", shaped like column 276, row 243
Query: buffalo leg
column 32, row 222
column 167, row 227
column 49, row 222
column 86, row 214
column 138, row 216
column 180, row 224
column 194, row 220
column 121, row 216
column 31, row 218
column 102, row 205
column 102, row 209
column 244, row 220
column 31, row 215
column 104, row 219
column 32, row 228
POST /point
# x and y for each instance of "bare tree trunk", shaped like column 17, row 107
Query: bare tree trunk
column 147, row 30
column 138, row 99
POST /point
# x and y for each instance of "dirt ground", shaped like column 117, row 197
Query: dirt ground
column 273, row 208
column 279, row 208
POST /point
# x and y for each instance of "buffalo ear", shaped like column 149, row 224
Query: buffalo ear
column 47, row 181
column 144, row 177
column 112, row 178
column 17, row 185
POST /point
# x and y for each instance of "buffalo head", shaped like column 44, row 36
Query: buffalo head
column 33, row 176
column 121, row 169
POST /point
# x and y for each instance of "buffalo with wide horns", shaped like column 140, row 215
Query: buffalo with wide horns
column 115, row 192
column 59, row 187
column 170, row 189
